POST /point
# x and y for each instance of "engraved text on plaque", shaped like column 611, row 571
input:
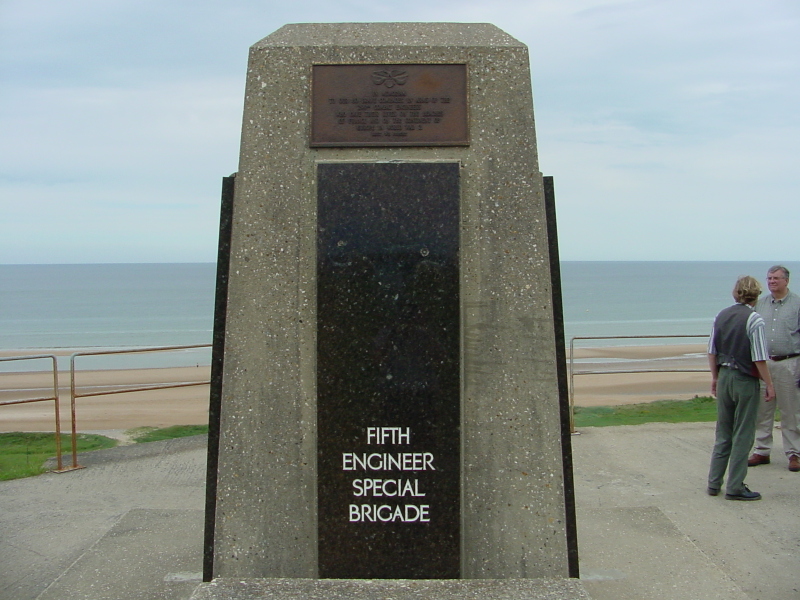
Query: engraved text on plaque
column 389, row 105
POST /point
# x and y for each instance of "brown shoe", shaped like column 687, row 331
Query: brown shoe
column 794, row 463
column 760, row 459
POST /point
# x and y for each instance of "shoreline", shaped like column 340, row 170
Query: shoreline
column 189, row 405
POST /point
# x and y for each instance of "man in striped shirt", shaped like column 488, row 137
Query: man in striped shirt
column 780, row 310
column 737, row 355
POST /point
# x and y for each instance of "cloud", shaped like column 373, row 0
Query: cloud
column 670, row 126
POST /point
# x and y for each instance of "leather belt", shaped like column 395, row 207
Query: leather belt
column 784, row 356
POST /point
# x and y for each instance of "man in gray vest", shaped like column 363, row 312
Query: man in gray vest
column 781, row 312
column 737, row 355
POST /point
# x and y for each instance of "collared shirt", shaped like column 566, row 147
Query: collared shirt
column 783, row 323
column 756, row 335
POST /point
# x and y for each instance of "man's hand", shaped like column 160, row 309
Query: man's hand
column 763, row 371
column 714, row 368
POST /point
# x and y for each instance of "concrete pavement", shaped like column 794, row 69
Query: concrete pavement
column 647, row 529
column 129, row 526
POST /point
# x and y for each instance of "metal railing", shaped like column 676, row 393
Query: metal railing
column 74, row 394
column 572, row 371
column 53, row 398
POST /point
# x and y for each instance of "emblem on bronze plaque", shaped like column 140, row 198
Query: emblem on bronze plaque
column 389, row 105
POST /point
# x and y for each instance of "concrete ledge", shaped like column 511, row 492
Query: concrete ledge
column 394, row 589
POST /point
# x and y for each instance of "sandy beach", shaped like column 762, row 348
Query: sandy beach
column 189, row 405
column 154, row 408
column 667, row 379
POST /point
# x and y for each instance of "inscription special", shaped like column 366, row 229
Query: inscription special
column 364, row 105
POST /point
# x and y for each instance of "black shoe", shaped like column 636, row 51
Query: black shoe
column 712, row 491
column 745, row 494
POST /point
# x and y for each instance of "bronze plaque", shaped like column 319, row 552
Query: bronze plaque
column 389, row 105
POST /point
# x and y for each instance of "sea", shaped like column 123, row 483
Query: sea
column 98, row 307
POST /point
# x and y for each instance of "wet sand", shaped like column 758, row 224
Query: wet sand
column 189, row 405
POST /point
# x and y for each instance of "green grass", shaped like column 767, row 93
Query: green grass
column 699, row 409
column 24, row 454
column 151, row 434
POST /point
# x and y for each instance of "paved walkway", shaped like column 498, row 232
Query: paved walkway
column 129, row 526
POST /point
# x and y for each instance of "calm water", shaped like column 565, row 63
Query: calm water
column 108, row 306
column 650, row 298
column 87, row 306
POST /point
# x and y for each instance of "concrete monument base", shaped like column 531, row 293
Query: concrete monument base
column 396, row 589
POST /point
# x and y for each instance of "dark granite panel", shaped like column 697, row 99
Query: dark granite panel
column 388, row 370
column 217, row 363
column 563, row 384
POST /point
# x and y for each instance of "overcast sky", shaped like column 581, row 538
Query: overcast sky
column 671, row 127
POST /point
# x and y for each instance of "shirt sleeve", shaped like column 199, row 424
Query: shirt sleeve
column 711, row 348
column 758, row 340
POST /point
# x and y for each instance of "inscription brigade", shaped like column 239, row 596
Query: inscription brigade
column 409, row 513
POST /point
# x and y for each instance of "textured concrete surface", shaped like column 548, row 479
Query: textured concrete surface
column 366, row 589
column 129, row 525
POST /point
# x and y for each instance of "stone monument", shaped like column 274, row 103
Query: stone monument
column 385, row 402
